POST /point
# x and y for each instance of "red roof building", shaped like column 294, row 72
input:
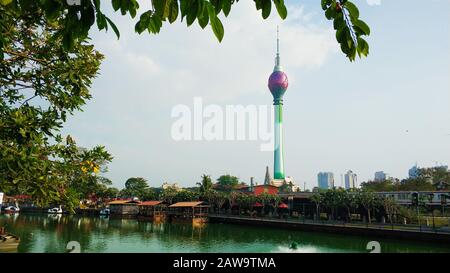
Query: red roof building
column 260, row 189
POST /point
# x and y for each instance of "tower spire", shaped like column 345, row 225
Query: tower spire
column 278, row 41
column 278, row 66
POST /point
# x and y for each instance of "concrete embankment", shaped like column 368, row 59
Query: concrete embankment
column 86, row 212
column 360, row 230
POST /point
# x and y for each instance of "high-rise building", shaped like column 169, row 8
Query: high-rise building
column 350, row 180
column 380, row 176
column 413, row 172
column 325, row 180
column 278, row 84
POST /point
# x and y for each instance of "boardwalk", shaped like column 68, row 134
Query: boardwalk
column 410, row 232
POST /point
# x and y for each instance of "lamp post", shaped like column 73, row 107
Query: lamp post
column 430, row 199
column 443, row 203
column 290, row 204
column 415, row 202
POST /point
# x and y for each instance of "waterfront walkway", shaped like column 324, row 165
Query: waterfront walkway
column 377, row 229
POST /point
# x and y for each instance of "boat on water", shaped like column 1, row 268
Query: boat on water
column 55, row 210
column 105, row 211
column 8, row 242
column 11, row 209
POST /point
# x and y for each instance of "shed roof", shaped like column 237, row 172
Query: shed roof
column 150, row 203
column 186, row 204
column 123, row 202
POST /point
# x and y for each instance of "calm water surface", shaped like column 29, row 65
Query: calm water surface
column 51, row 233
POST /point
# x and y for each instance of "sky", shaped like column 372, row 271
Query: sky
column 381, row 113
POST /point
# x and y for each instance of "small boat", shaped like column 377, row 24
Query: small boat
column 55, row 210
column 12, row 209
column 294, row 245
column 8, row 242
column 105, row 212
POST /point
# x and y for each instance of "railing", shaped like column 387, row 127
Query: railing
column 380, row 226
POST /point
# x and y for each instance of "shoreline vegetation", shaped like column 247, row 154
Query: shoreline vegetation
column 228, row 196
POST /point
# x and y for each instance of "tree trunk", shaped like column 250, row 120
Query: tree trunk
column 368, row 215
column 318, row 213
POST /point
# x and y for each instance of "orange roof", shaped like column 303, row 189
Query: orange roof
column 123, row 202
column 150, row 203
column 186, row 204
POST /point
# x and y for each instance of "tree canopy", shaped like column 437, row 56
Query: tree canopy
column 78, row 17
column 41, row 83
column 228, row 181
column 138, row 187
column 428, row 179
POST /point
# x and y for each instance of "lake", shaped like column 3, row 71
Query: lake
column 51, row 233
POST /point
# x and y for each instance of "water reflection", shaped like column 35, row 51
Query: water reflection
column 51, row 233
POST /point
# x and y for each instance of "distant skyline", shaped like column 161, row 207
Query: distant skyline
column 385, row 112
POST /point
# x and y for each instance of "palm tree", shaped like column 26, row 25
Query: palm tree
column 317, row 198
column 209, row 196
column 391, row 208
column 350, row 202
column 367, row 200
column 220, row 199
column 276, row 200
column 241, row 201
column 265, row 199
column 331, row 200
column 232, row 197
column 206, row 183
column 168, row 194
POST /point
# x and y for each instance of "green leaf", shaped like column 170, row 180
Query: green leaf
column 226, row 7
column 281, row 8
column 116, row 4
column 114, row 27
column 352, row 9
column 363, row 47
column 101, row 21
column 266, row 8
column 216, row 24
column 155, row 24
column 68, row 41
column 184, row 6
column 338, row 22
column 192, row 12
column 167, row 5
column 331, row 13
column 258, row 4
column 5, row 2
column 203, row 20
column 217, row 5
column 217, row 27
column 325, row 4
column 159, row 6
column 173, row 13
column 362, row 26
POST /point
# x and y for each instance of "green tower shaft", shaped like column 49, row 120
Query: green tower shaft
column 278, row 149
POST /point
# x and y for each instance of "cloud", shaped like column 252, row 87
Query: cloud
column 144, row 76
column 374, row 2
column 187, row 62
